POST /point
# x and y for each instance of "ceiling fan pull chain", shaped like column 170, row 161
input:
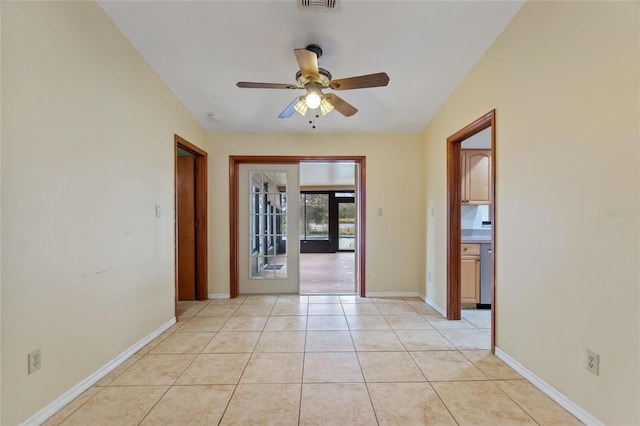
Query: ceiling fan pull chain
column 313, row 121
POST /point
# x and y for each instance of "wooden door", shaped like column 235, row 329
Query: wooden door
column 186, row 214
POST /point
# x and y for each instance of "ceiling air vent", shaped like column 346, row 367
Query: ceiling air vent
column 323, row 4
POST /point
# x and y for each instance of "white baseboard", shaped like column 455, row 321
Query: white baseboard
column 60, row 402
column 392, row 294
column 549, row 390
column 435, row 306
column 219, row 296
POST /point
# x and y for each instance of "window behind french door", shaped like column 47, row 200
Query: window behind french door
column 327, row 221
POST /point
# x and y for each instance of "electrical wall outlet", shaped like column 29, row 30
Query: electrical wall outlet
column 35, row 361
column 593, row 362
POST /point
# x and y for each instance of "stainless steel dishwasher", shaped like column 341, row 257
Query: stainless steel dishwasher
column 486, row 275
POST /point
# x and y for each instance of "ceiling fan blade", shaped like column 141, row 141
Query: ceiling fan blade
column 308, row 62
column 250, row 85
column 289, row 110
column 360, row 82
column 340, row 105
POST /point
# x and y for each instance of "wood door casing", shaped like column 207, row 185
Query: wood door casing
column 186, row 213
column 201, row 217
column 234, row 165
column 454, row 203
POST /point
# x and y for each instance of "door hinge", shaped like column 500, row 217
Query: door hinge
column 195, row 223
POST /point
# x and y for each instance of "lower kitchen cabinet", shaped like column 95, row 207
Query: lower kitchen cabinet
column 470, row 274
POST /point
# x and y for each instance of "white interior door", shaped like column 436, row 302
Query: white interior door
column 268, row 221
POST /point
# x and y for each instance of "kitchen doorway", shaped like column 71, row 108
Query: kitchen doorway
column 471, row 182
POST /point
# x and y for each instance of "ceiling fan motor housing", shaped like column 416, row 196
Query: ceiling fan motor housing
column 324, row 80
column 315, row 49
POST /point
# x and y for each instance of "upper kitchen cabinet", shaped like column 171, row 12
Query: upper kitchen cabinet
column 476, row 176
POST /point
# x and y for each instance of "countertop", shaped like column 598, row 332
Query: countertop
column 476, row 236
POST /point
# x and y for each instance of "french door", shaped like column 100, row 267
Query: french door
column 268, row 212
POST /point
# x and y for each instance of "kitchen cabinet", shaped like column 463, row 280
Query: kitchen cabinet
column 470, row 274
column 476, row 176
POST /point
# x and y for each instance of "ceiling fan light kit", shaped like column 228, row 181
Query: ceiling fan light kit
column 301, row 107
column 314, row 95
column 325, row 106
column 314, row 79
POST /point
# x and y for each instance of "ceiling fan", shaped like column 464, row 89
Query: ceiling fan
column 314, row 80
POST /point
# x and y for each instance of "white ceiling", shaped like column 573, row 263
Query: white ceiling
column 202, row 48
column 481, row 140
column 328, row 174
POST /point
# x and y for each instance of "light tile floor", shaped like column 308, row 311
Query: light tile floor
column 315, row 360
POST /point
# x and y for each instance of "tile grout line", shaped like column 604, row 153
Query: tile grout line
column 304, row 359
column 169, row 387
column 363, row 376
column 235, row 388
column 443, row 403
column 304, row 353
column 515, row 402
column 78, row 408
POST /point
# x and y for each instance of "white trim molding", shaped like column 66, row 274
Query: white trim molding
column 392, row 294
column 549, row 390
column 219, row 296
column 59, row 403
column 435, row 306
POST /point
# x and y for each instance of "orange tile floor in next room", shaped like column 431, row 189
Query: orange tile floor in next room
column 314, row 360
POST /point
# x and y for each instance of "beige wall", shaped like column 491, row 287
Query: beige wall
column 0, row 216
column 564, row 79
column 87, row 153
column 394, row 240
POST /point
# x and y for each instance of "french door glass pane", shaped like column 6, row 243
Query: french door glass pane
column 346, row 226
column 268, row 225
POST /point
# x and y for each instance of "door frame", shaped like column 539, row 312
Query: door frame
column 454, row 204
column 360, row 196
column 338, row 201
column 202, row 286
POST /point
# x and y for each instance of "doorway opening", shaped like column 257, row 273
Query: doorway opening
column 190, row 181
column 328, row 257
column 328, row 227
column 354, row 247
column 471, row 226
